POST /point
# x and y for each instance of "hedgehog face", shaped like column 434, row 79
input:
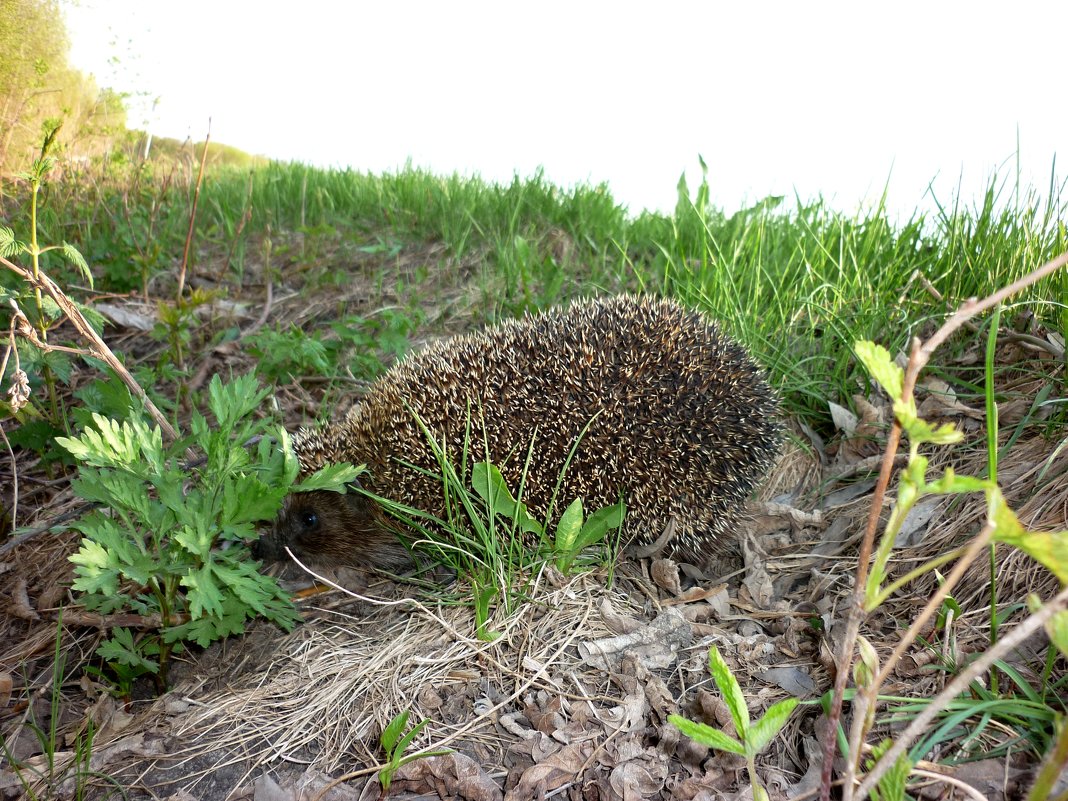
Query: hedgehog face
column 334, row 530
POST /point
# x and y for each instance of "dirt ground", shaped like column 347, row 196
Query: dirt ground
column 572, row 700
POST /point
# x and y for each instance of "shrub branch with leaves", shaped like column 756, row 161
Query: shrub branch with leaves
column 1051, row 549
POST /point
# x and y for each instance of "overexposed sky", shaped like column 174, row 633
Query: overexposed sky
column 829, row 98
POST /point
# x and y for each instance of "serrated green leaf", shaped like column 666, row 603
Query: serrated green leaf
column 9, row 246
column 51, row 311
column 333, row 477
column 93, row 573
column 59, row 363
column 730, row 690
column 231, row 401
column 197, row 535
column 96, row 320
column 203, row 596
column 892, row 785
column 880, row 366
column 248, row 500
column 122, row 649
column 706, row 735
column 74, row 256
column 764, row 730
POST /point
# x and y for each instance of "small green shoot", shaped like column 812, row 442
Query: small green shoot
column 751, row 738
column 394, row 744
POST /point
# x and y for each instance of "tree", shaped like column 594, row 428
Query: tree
column 37, row 86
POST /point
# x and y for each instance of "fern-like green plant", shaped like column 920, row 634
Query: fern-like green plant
column 169, row 541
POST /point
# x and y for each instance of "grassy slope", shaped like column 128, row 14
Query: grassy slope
column 798, row 284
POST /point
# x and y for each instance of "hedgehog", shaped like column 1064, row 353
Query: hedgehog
column 660, row 407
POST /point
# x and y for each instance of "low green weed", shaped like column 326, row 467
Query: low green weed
column 487, row 534
column 169, row 542
column 751, row 737
column 394, row 744
column 362, row 344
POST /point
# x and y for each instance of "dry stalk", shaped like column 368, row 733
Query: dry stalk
column 918, row 359
column 97, row 345
column 192, row 217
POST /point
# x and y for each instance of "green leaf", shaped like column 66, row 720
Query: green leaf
column 9, row 246
column 762, row 732
column 891, row 787
column 600, row 523
column 920, row 431
column 391, row 734
column 204, row 597
column 121, row 648
column 333, row 477
column 951, row 482
column 1057, row 629
column 880, row 366
column 248, row 500
column 706, row 735
column 1050, row 548
column 94, row 573
column 489, row 484
column 74, row 256
column 231, row 401
column 567, row 530
column 96, row 320
column 730, row 690
column 406, row 740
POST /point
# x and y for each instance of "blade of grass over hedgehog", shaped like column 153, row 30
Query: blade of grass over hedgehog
column 485, row 533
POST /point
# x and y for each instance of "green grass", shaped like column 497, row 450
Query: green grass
column 796, row 281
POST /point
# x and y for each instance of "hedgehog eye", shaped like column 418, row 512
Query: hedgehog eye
column 309, row 520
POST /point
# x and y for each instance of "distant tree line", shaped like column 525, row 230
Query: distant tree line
column 39, row 90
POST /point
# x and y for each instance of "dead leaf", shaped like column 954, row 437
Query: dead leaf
column 453, row 774
column 560, row 768
column 136, row 316
column 794, row 680
column 20, row 602
column 665, row 574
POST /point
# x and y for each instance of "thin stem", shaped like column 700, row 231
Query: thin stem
column 98, row 346
column 913, row 574
column 192, row 217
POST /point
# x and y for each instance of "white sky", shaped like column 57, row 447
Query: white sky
column 832, row 98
